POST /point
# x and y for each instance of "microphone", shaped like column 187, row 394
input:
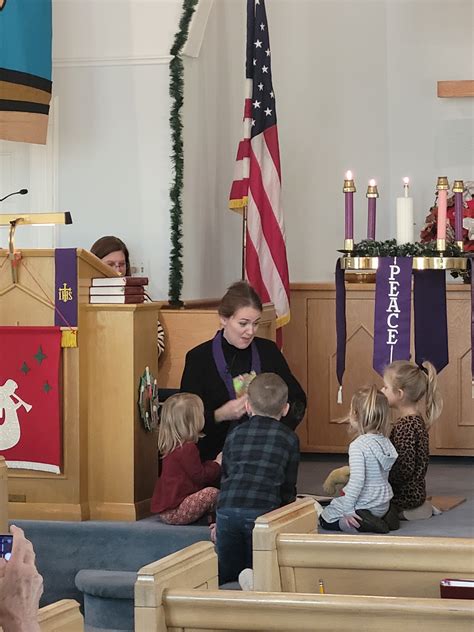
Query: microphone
column 20, row 192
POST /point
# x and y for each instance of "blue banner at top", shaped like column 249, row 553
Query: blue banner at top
column 25, row 69
column 26, row 36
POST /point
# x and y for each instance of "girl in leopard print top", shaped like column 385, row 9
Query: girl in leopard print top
column 412, row 391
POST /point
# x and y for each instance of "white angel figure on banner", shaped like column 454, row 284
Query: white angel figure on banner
column 10, row 402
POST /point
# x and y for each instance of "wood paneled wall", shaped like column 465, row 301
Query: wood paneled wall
column 310, row 348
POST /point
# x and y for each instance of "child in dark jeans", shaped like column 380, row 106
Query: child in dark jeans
column 259, row 470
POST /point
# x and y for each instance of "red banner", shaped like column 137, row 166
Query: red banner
column 30, row 428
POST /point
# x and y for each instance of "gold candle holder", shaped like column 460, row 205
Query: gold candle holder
column 349, row 244
column 460, row 245
column 349, row 186
column 442, row 183
column 441, row 246
column 372, row 191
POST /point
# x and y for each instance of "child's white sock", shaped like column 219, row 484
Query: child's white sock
column 246, row 579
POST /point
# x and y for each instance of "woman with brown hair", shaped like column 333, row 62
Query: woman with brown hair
column 220, row 369
column 114, row 253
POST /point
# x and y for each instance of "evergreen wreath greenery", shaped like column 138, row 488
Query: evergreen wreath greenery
column 390, row 248
column 176, row 212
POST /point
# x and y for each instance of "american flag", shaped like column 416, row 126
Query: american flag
column 257, row 181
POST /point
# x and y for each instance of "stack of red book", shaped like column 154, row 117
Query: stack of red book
column 457, row 589
column 118, row 290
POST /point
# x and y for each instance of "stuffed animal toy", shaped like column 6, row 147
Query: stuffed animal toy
column 336, row 481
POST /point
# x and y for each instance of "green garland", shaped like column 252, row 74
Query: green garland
column 390, row 248
column 176, row 211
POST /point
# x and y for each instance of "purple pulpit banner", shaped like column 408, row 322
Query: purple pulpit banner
column 392, row 311
column 65, row 291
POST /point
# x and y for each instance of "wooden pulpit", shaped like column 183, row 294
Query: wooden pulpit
column 109, row 460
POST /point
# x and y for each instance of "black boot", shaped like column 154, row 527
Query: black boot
column 391, row 518
column 371, row 523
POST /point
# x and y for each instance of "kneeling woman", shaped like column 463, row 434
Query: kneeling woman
column 215, row 369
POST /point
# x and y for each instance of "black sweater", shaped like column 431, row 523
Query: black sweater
column 200, row 376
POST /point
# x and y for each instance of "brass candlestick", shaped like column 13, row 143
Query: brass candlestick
column 372, row 191
column 349, row 186
column 442, row 183
column 349, row 244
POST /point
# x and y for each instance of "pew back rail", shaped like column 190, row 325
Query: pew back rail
column 61, row 616
column 179, row 594
column 290, row 557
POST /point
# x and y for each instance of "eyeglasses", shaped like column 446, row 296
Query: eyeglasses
column 118, row 265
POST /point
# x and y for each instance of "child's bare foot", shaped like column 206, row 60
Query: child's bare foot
column 212, row 529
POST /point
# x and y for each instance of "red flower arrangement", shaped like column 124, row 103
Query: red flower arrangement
column 429, row 230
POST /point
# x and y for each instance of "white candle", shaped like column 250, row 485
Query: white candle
column 405, row 218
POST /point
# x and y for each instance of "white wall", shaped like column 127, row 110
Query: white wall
column 212, row 114
column 111, row 78
column 355, row 83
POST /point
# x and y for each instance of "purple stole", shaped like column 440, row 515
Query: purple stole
column 223, row 369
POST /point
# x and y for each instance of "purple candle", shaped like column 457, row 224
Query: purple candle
column 458, row 188
column 349, row 190
column 372, row 195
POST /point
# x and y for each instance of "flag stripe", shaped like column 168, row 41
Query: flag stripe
column 269, row 273
column 270, row 179
column 248, row 108
column 271, row 140
column 263, row 207
column 252, row 266
column 244, row 149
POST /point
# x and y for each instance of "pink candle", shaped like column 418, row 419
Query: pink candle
column 458, row 188
column 349, row 190
column 372, row 195
column 442, row 188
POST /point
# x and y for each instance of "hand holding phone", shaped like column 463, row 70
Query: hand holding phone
column 6, row 543
column 21, row 586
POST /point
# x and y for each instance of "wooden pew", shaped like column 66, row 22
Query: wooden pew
column 61, row 616
column 165, row 600
column 192, row 567
column 290, row 557
column 3, row 496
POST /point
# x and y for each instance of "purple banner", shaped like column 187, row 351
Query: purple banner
column 470, row 268
column 65, row 287
column 392, row 311
column 431, row 320
column 341, row 330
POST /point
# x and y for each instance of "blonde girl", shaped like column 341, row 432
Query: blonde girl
column 412, row 392
column 366, row 497
column 186, row 489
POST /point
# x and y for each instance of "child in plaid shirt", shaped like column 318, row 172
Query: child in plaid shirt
column 259, row 469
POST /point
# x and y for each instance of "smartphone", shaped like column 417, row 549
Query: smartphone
column 6, row 542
